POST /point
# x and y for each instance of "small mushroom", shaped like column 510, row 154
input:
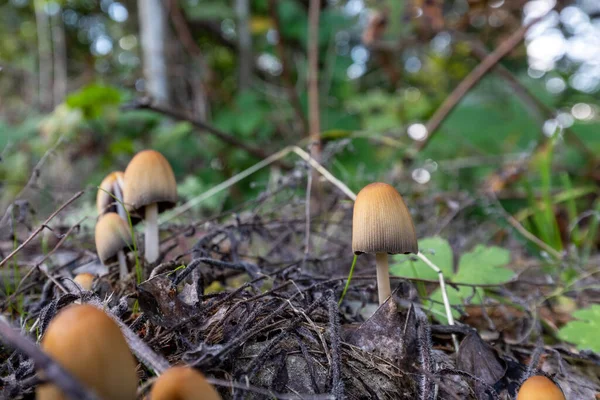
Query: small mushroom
column 538, row 387
column 89, row 344
column 111, row 185
column 382, row 225
column 150, row 188
column 112, row 238
column 85, row 280
column 183, row 383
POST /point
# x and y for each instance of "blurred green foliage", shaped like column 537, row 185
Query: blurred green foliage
column 364, row 117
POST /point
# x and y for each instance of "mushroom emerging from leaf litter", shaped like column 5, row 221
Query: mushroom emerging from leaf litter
column 89, row 344
column 183, row 383
column 382, row 225
column 150, row 188
column 112, row 238
column 539, row 387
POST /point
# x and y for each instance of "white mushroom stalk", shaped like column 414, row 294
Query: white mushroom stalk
column 149, row 189
column 382, row 225
column 151, row 233
column 113, row 237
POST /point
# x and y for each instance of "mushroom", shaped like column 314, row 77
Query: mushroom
column 538, row 387
column 89, row 344
column 111, row 185
column 150, row 188
column 85, row 280
column 382, row 225
column 183, row 383
column 112, row 238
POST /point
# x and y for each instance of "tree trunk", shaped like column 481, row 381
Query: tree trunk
column 153, row 31
column 44, row 56
column 60, row 58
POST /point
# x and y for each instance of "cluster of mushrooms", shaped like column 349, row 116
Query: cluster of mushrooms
column 147, row 188
column 100, row 357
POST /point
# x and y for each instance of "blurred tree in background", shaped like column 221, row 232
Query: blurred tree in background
column 83, row 72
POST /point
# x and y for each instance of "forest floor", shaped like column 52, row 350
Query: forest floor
column 250, row 298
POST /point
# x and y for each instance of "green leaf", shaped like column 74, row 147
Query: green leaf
column 484, row 266
column 438, row 251
column 584, row 331
column 464, row 295
column 92, row 99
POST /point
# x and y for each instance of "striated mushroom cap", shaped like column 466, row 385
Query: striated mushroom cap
column 539, row 387
column 149, row 179
column 104, row 202
column 183, row 383
column 112, row 236
column 381, row 222
column 89, row 344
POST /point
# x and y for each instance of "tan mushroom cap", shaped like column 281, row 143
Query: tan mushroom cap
column 112, row 235
column 85, row 280
column 183, row 383
column 149, row 179
column 89, row 344
column 539, row 387
column 381, row 222
column 104, row 202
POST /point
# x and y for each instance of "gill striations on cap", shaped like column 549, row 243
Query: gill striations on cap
column 149, row 179
column 381, row 222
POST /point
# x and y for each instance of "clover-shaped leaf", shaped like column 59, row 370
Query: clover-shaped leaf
column 583, row 332
column 438, row 250
column 481, row 266
column 484, row 266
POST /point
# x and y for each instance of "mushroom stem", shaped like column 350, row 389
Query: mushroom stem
column 122, row 265
column 151, row 238
column 383, row 277
column 119, row 201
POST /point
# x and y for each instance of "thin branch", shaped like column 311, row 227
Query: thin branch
column 198, row 78
column 41, row 228
column 285, row 66
column 51, row 369
column 144, row 104
column 314, row 10
column 521, row 229
column 167, row 216
column 142, row 351
column 267, row 393
column 471, row 80
column 182, row 29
